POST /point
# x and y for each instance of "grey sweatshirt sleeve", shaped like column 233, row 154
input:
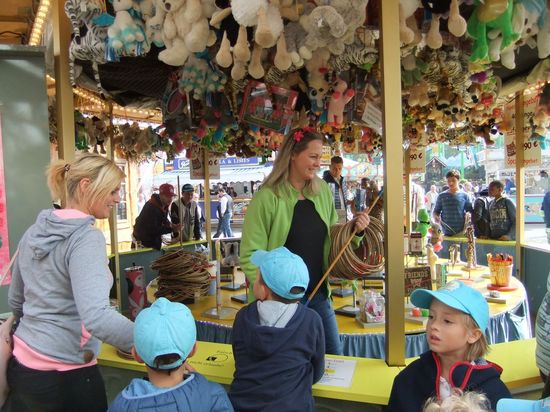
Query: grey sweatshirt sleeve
column 15, row 294
column 91, row 281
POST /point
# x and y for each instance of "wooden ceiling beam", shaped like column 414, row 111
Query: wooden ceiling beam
column 14, row 18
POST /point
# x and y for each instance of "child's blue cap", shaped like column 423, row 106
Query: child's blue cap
column 281, row 271
column 164, row 328
column 458, row 296
column 523, row 405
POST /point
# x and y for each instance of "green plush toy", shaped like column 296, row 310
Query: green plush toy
column 423, row 222
column 480, row 23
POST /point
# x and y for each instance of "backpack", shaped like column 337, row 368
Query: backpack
column 480, row 217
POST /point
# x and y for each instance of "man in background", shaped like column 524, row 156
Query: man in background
column 184, row 211
column 152, row 221
column 451, row 206
column 333, row 176
column 225, row 213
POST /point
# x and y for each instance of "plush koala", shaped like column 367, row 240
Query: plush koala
column 325, row 27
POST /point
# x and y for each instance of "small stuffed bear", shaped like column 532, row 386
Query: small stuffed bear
column 340, row 97
column 124, row 34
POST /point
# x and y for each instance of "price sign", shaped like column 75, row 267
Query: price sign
column 531, row 148
column 417, row 157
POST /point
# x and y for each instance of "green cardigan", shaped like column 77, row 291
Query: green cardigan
column 267, row 223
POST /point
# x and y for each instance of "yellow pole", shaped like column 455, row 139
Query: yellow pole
column 520, row 182
column 393, row 181
column 63, row 88
column 207, row 202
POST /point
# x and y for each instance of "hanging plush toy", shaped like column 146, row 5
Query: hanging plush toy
column 340, row 97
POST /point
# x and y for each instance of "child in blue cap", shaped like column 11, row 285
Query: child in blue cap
column 278, row 344
column 458, row 318
column 164, row 337
column 523, row 405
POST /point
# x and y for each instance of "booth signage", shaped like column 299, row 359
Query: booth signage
column 182, row 163
column 197, row 170
column 416, row 278
column 417, row 157
column 531, row 148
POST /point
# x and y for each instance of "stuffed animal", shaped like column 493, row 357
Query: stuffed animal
column 543, row 37
column 185, row 30
column 407, row 9
column 125, row 36
column 338, row 100
column 262, row 14
column 418, row 95
column 199, row 77
column 325, row 27
column 97, row 133
column 540, row 127
column 153, row 26
column 295, row 37
column 485, row 18
column 423, row 222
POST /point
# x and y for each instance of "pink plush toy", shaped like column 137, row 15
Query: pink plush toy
column 340, row 97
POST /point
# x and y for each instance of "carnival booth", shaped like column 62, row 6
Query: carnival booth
column 223, row 83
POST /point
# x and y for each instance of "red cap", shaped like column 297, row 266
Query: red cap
column 167, row 189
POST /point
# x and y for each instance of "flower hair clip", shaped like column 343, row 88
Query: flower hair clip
column 299, row 134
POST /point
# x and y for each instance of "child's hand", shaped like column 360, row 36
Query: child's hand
column 504, row 237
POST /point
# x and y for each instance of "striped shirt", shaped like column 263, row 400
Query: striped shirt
column 542, row 332
column 452, row 208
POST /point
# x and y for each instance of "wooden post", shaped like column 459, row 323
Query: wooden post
column 520, row 182
column 207, row 212
column 390, row 60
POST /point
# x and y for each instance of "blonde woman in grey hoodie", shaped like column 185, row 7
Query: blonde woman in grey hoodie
column 60, row 294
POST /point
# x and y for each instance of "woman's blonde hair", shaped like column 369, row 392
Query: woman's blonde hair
column 277, row 180
column 480, row 347
column 459, row 402
column 64, row 179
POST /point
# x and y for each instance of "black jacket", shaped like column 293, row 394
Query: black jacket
column 419, row 381
column 276, row 367
column 152, row 223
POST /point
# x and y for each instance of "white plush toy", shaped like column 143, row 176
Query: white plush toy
column 261, row 13
column 185, row 30
column 543, row 37
column 124, row 33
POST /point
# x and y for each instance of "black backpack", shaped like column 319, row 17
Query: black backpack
column 480, row 217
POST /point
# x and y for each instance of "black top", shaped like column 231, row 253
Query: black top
column 306, row 238
column 152, row 223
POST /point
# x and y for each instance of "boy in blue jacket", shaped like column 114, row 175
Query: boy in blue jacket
column 278, row 344
column 458, row 318
column 164, row 337
column 502, row 213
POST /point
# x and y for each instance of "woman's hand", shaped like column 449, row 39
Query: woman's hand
column 362, row 220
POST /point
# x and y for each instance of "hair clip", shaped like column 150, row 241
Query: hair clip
column 299, row 134
column 67, row 167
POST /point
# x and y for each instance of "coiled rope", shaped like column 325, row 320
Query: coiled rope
column 182, row 274
column 351, row 265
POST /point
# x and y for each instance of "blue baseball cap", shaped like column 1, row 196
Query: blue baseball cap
column 281, row 271
column 458, row 296
column 164, row 328
column 523, row 405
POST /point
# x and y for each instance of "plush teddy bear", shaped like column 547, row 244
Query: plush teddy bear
column 124, row 34
column 318, row 86
column 185, row 30
column 295, row 37
column 543, row 37
column 262, row 14
column 338, row 100
column 418, row 95
column 540, row 127
column 407, row 9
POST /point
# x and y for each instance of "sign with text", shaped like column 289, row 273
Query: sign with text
column 183, row 163
column 417, row 157
column 417, row 277
column 197, row 169
column 372, row 116
column 531, row 148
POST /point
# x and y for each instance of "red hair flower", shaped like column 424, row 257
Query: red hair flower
column 298, row 135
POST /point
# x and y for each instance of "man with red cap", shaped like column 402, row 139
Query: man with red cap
column 152, row 221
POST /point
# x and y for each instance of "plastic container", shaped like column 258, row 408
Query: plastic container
column 501, row 273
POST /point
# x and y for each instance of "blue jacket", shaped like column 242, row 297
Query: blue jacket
column 276, row 367
column 419, row 381
column 193, row 394
column 502, row 218
column 546, row 208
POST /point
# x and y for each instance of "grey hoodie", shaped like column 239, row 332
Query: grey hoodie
column 60, row 289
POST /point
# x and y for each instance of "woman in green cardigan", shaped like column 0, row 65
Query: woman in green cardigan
column 295, row 209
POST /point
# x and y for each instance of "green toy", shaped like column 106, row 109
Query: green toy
column 478, row 29
column 423, row 222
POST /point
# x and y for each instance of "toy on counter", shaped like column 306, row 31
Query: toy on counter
column 371, row 307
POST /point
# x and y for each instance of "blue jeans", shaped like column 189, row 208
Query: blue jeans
column 226, row 225
column 323, row 306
